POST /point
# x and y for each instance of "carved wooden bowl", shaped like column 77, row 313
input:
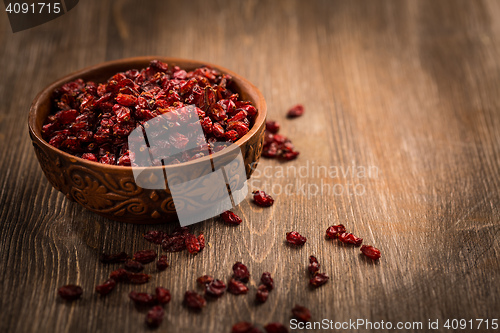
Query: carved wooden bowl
column 110, row 190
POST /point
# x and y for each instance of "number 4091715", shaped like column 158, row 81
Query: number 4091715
column 33, row 8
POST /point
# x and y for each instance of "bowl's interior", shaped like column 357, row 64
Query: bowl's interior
column 41, row 106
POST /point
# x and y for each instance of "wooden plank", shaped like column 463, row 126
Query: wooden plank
column 406, row 88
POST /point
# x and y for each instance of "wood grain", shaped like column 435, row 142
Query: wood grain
column 409, row 88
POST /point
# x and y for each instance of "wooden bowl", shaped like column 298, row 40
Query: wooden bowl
column 111, row 190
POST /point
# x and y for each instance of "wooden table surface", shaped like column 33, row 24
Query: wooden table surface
column 402, row 100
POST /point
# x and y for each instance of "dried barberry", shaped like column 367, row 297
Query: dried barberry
column 230, row 218
column 348, row 238
column 192, row 244
column 262, row 293
column 244, row 327
column 162, row 295
column 294, row 238
column 262, row 199
column 314, row 265
column 145, row 256
column 154, row 317
column 173, row 243
column 70, row 292
column 267, row 280
column 215, row 288
column 120, row 275
column 204, row 280
column 137, row 278
column 296, row 111
column 272, row 126
column 240, row 272
column 162, row 263
column 319, row 279
column 106, row 287
column 275, row 328
column 335, row 230
column 370, row 251
column 194, row 301
column 237, row 287
column 113, row 258
column 133, row 266
column 142, row 299
column 155, row 236
column 301, row 313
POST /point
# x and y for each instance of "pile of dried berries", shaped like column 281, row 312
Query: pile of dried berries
column 277, row 145
column 93, row 121
column 177, row 241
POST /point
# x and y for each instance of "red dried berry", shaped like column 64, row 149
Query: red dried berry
column 349, row 238
column 240, row 272
column 201, row 240
column 133, row 266
column 142, row 299
column 113, row 258
column 296, row 111
column 216, row 288
column 137, row 278
column 237, row 287
column 162, row 295
column 204, row 280
column 262, row 293
column 162, row 263
column 194, row 301
column 242, row 327
column 313, row 265
column 154, row 316
column 145, row 256
column 275, row 328
column 301, row 313
column 230, row 218
column 294, row 238
column 106, row 287
column 267, row 280
column 192, row 244
column 370, row 251
column 173, row 243
column 335, row 230
column 120, row 275
column 319, row 280
column 70, row 292
column 155, row 236
column 272, row 126
column 262, row 199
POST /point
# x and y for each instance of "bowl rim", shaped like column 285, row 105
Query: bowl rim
column 47, row 92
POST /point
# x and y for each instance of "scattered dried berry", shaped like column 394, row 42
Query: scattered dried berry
column 106, row 287
column 240, row 272
column 260, row 198
column 145, row 256
column 201, row 240
column 155, row 236
column 133, row 266
column 272, row 126
column 173, row 243
column 142, row 299
column 313, row 265
column 296, row 111
column 192, row 244
column 319, row 279
column 294, row 238
column 162, row 295
column 162, row 263
column 262, row 293
column 230, row 218
column 137, row 278
column 154, row 316
column 194, row 301
column 275, row 328
column 267, row 280
column 120, row 275
column 370, row 251
column 301, row 313
column 237, row 287
column 335, row 230
column 70, row 292
column 244, row 327
column 204, row 280
column 216, row 288
column 349, row 238
column 113, row 258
